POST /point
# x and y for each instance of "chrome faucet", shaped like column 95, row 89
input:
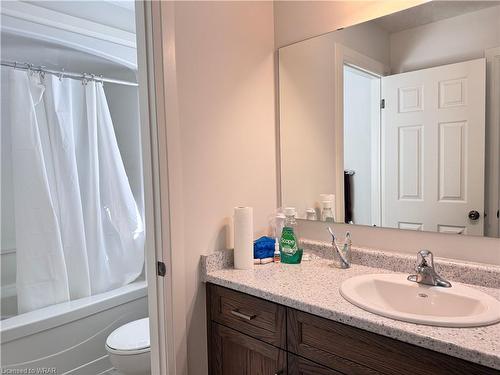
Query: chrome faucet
column 426, row 274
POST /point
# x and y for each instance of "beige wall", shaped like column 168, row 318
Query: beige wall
column 307, row 114
column 307, row 137
column 225, row 79
column 299, row 20
column 224, row 150
column 461, row 38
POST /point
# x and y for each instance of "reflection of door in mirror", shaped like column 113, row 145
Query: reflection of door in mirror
column 433, row 130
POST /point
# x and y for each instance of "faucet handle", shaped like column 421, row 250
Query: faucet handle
column 426, row 274
column 425, row 258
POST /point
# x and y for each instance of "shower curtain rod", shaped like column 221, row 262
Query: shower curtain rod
column 62, row 73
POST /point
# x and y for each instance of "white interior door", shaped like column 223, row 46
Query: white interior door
column 433, row 137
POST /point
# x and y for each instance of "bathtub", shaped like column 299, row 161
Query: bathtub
column 69, row 338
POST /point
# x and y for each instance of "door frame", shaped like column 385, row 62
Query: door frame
column 492, row 170
column 346, row 56
column 155, row 29
column 149, row 143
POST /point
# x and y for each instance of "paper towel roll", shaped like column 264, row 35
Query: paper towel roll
column 243, row 238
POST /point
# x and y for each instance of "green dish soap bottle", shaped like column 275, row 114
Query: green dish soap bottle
column 289, row 240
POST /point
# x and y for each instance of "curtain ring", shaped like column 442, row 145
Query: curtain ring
column 61, row 75
column 102, row 79
column 15, row 65
column 84, row 79
column 41, row 71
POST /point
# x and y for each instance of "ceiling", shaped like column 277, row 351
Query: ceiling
column 117, row 14
column 58, row 57
column 50, row 34
column 430, row 12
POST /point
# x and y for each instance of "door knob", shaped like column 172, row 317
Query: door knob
column 474, row 215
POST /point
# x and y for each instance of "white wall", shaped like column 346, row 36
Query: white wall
column 448, row 41
column 225, row 81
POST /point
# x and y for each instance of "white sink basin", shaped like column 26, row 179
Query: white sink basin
column 393, row 296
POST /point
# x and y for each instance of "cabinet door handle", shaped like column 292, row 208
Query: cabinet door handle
column 242, row 316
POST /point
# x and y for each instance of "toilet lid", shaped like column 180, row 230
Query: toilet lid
column 130, row 336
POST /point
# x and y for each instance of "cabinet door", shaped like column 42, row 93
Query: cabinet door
column 301, row 366
column 353, row 351
column 234, row 353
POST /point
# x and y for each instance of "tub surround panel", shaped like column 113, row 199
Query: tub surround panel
column 313, row 287
column 56, row 315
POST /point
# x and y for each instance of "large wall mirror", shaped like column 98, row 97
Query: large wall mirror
column 395, row 122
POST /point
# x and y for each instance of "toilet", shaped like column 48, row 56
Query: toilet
column 129, row 349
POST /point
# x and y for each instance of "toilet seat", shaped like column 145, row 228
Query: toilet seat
column 127, row 352
column 129, row 339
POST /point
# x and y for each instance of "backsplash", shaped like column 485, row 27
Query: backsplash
column 460, row 271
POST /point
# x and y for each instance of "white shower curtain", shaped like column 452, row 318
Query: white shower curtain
column 78, row 229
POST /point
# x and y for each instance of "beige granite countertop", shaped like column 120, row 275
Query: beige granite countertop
column 313, row 287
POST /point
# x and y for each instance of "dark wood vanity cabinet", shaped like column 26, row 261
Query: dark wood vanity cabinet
column 246, row 335
column 237, row 353
column 301, row 366
column 253, row 316
column 350, row 350
column 252, row 336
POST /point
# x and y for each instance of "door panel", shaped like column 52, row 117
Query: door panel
column 433, row 148
column 234, row 353
column 301, row 366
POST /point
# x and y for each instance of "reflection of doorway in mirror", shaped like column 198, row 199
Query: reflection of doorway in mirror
column 492, row 202
column 361, row 146
column 433, row 137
